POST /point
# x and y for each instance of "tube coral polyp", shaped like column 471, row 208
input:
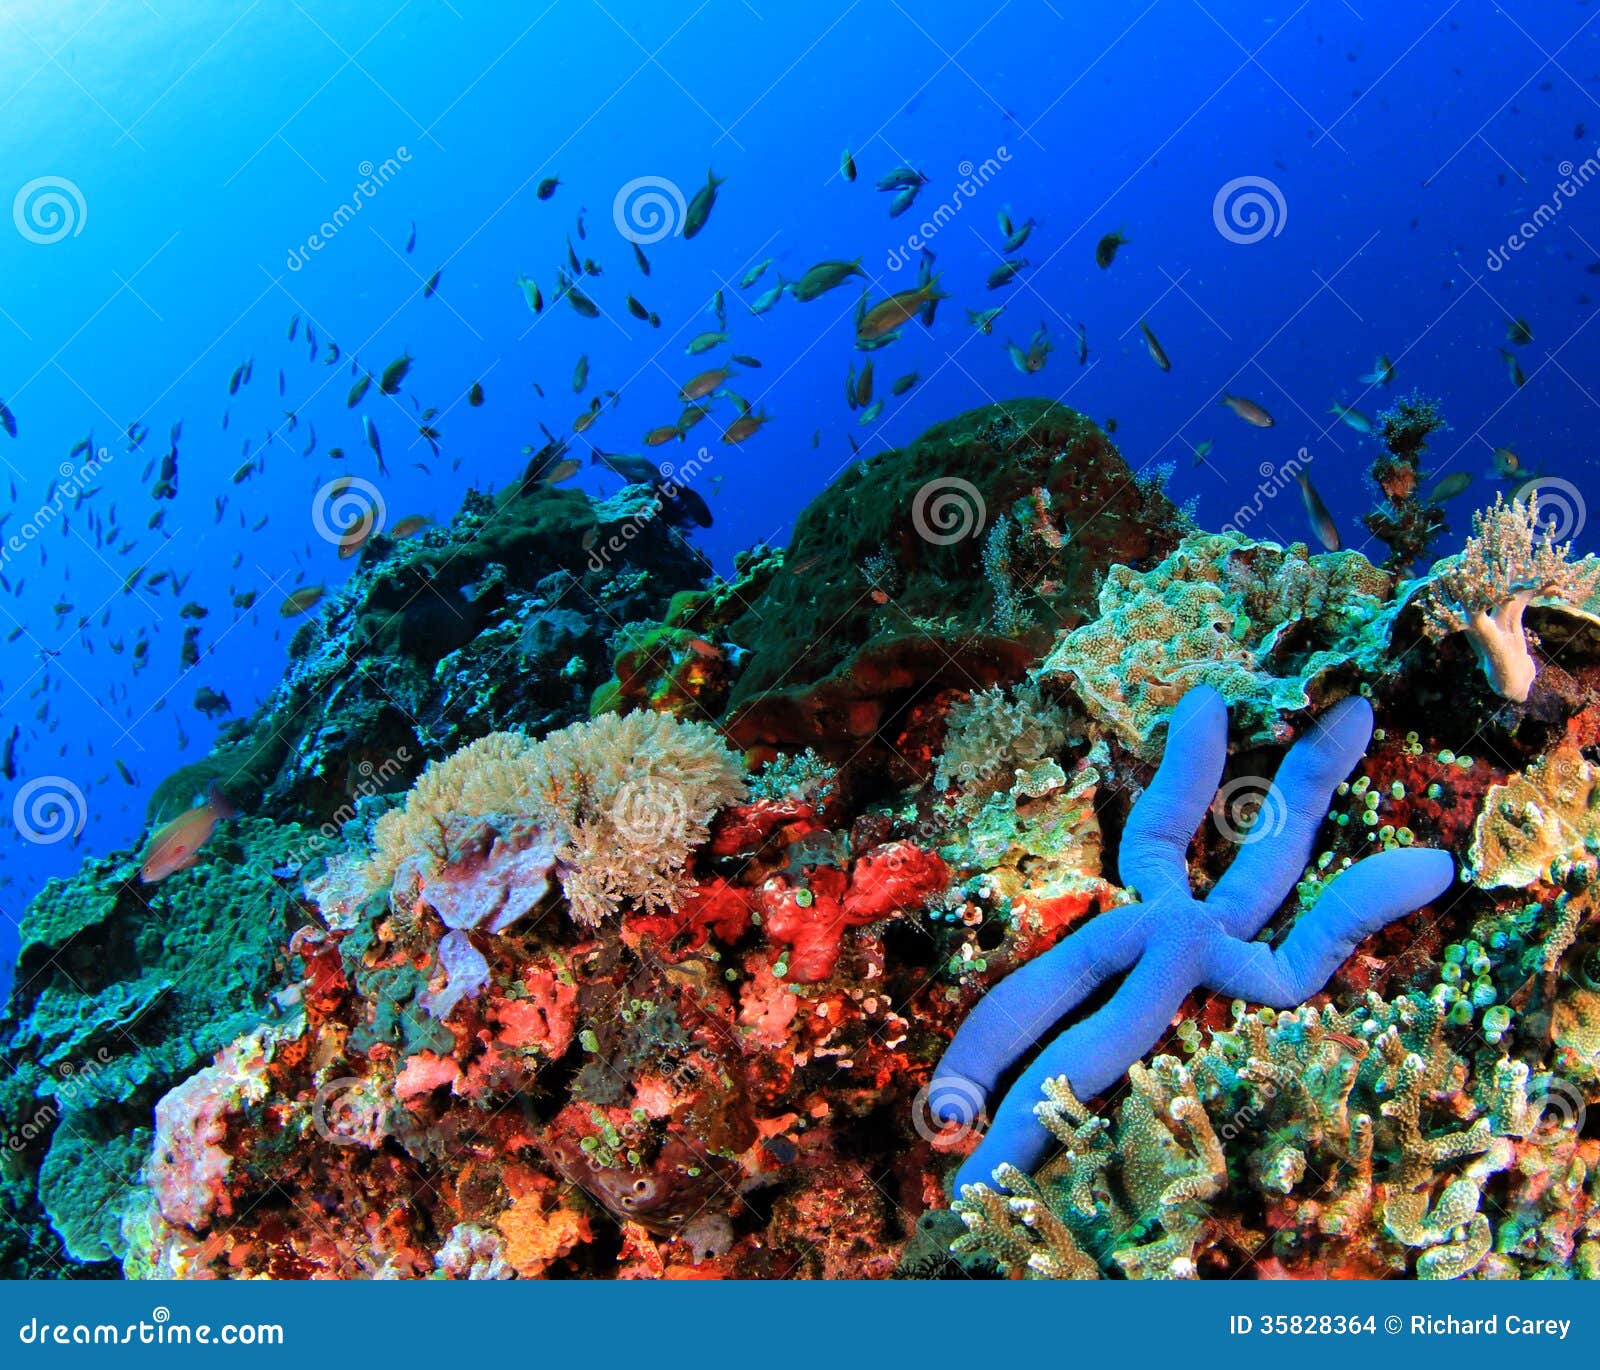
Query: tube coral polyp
column 1510, row 561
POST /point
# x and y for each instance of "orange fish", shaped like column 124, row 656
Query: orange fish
column 175, row 845
column 703, row 384
column 300, row 600
column 746, row 425
column 666, row 433
column 412, row 523
column 700, row 647
column 355, row 536
column 901, row 307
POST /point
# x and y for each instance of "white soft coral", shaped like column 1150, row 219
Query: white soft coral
column 1510, row 561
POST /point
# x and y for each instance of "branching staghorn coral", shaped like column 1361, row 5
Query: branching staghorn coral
column 1510, row 561
column 627, row 796
column 1313, row 1143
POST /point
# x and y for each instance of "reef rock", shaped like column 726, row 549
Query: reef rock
column 951, row 562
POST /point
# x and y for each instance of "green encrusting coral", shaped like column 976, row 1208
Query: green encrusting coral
column 122, row 991
column 897, row 581
column 1272, row 629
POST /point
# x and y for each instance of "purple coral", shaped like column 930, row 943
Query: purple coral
column 1510, row 561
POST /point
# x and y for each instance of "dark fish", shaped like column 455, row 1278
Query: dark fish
column 637, row 310
column 475, row 394
column 394, row 374
column 1157, row 353
column 847, row 165
column 294, row 327
column 700, row 207
column 357, row 391
column 634, row 470
column 7, row 420
column 546, row 188
column 432, row 285
column 373, row 443
column 1105, row 251
column 1321, row 520
column 641, row 259
column 1005, row 273
column 901, row 178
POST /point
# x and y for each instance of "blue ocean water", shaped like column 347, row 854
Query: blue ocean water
column 1415, row 178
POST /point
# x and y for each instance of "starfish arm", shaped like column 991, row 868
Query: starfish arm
column 1356, row 903
column 1011, row 1018
column 1155, row 843
column 1277, row 849
column 1093, row 1055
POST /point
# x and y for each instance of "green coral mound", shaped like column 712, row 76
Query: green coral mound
column 947, row 563
column 1274, row 629
column 122, row 991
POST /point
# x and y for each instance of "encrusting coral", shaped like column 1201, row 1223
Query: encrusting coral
column 1511, row 561
column 582, row 1004
column 1272, row 629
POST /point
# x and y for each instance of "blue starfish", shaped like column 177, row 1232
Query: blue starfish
column 1170, row 942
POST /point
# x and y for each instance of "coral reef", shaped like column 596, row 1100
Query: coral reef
column 1510, row 562
column 1169, row 942
column 1274, row 630
column 1406, row 522
column 891, row 557
column 513, row 966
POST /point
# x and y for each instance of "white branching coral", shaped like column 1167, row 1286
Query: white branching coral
column 1511, row 560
